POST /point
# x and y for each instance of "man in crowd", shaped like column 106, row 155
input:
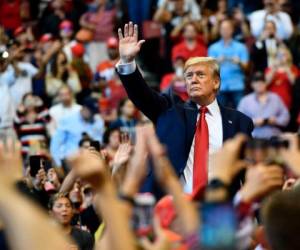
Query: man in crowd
column 265, row 48
column 66, row 107
column 191, row 45
column 233, row 58
column 188, row 133
column 271, row 12
column 266, row 109
column 69, row 131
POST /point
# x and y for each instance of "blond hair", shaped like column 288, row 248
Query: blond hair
column 209, row 61
column 285, row 49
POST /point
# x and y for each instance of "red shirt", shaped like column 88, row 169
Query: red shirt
column 10, row 14
column 167, row 82
column 181, row 50
column 104, row 22
column 281, row 85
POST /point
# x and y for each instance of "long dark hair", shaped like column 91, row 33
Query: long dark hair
column 54, row 67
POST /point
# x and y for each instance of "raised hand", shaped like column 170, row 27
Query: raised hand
column 129, row 46
column 89, row 166
column 260, row 181
column 161, row 240
column 122, row 156
column 10, row 163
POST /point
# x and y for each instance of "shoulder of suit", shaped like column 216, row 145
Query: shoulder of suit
column 235, row 112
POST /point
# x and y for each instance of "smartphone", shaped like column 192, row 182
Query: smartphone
column 47, row 164
column 95, row 145
column 35, row 163
column 142, row 218
column 219, row 225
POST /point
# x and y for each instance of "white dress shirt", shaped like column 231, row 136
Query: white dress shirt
column 282, row 20
column 215, row 131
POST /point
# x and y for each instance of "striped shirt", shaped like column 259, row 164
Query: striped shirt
column 35, row 132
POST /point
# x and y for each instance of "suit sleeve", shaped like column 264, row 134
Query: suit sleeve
column 249, row 126
column 150, row 102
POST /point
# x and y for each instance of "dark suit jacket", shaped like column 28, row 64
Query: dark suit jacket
column 175, row 120
column 259, row 56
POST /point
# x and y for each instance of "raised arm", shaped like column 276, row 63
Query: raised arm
column 151, row 103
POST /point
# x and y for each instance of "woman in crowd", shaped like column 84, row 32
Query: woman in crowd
column 61, row 73
column 282, row 75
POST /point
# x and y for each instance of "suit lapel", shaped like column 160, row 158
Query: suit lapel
column 227, row 123
column 190, row 112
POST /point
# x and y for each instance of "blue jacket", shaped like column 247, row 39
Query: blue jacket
column 175, row 121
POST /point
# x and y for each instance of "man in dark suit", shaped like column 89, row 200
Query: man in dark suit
column 264, row 50
column 190, row 135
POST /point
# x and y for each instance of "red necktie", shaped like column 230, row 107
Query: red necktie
column 200, row 154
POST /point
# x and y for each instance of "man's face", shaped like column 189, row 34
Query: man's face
column 259, row 87
column 190, row 32
column 270, row 5
column 128, row 109
column 114, row 139
column 62, row 211
column 65, row 96
column 86, row 114
column 270, row 29
column 226, row 29
column 201, row 84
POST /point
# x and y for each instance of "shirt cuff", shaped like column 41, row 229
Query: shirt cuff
column 126, row 68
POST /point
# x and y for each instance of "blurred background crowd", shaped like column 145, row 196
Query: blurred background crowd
column 59, row 92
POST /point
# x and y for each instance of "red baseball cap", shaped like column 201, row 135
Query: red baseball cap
column 112, row 43
column 19, row 31
column 78, row 50
column 46, row 38
column 66, row 24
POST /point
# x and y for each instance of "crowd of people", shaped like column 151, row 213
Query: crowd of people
column 93, row 157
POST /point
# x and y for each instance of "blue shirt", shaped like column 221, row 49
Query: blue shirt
column 273, row 107
column 65, row 140
column 232, row 75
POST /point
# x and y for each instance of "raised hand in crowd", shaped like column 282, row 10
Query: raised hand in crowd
column 129, row 45
column 30, row 227
column 137, row 169
column 260, row 181
column 161, row 241
column 10, row 164
column 165, row 175
column 120, row 160
column 91, row 168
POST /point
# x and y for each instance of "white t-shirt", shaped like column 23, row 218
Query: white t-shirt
column 58, row 111
column 190, row 6
column 7, row 107
column 23, row 83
